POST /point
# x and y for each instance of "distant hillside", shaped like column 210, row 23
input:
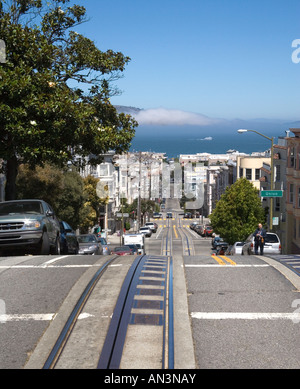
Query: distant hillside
column 128, row 110
column 167, row 117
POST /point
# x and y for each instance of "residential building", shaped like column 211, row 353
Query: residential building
column 293, row 193
column 249, row 167
column 279, row 203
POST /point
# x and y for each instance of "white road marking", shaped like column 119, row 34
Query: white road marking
column 48, row 267
column 85, row 316
column 245, row 315
column 27, row 317
column 36, row 317
column 223, row 267
column 53, row 260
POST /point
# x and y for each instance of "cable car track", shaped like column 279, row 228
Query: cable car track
column 145, row 275
column 67, row 329
column 187, row 247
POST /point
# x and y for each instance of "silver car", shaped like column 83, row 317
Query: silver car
column 30, row 226
column 237, row 248
column 272, row 244
column 145, row 230
column 89, row 245
column 105, row 246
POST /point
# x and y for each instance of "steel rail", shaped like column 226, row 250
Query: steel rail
column 181, row 230
column 170, row 318
column 111, row 354
column 70, row 323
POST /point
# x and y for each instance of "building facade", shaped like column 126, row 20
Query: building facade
column 293, row 193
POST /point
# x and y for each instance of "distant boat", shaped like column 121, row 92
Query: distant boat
column 207, row 138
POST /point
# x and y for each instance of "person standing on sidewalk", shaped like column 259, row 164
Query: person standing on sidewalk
column 259, row 239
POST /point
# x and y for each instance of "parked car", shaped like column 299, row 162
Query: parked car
column 193, row 225
column 89, row 245
column 153, row 226
column 221, row 248
column 236, row 248
column 122, row 250
column 199, row 229
column 146, row 231
column 207, row 231
column 216, row 241
column 30, row 226
column 134, row 248
column 157, row 215
column 272, row 244
column 105, row 245
column 68, row 239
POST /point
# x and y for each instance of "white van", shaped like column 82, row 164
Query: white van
column 137, row 239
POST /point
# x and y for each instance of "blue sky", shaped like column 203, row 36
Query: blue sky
column 220, row 58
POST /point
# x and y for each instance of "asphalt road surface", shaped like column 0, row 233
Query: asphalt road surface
column 230, row 312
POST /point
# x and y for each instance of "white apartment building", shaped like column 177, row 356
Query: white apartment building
column 249, row 167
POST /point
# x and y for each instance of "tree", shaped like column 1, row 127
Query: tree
column 92, row 203
column 42, row 117
column 238, row 212
column 63, row 190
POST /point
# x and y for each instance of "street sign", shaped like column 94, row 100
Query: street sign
column 124, row 214
column 271, row 193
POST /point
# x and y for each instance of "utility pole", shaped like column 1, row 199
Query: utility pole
column 139, row 193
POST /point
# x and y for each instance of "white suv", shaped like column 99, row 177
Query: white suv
column 153, row 226
column 272, row 244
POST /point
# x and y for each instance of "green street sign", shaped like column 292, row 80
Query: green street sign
column 271, row 193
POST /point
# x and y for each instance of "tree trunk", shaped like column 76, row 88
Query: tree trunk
column 11, row 175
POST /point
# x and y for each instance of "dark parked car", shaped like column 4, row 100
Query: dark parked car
column 122, row 250
column 134, row 248
column 216, row 241
column 89, row 245
column 68, row 239
column 29, row 226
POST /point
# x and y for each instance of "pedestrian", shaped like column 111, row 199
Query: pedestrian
column 259, row 239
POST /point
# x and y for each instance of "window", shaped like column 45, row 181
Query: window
column 249, row 174
column 103, row 170
column 292, row 157
column 241, row 172
column 277, row 173
column 299, row 197
column 291, row 199
column 257, row 174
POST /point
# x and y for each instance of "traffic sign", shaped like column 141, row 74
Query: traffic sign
column 124, row 214
column 271, row 193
